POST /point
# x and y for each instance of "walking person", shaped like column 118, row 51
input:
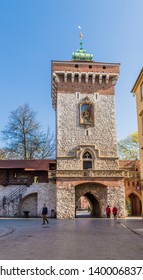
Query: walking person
column 108, row 211
column 114, row 211
column 44, row 214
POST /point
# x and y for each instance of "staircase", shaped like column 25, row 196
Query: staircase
column 8, row 205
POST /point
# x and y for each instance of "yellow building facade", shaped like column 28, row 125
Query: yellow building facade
column 137, row 90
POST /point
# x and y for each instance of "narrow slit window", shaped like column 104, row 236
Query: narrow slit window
column 77, row 94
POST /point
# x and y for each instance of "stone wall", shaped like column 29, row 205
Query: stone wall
column 33, row 199
column 71, row 135
column 28, row 203
column 116, row 197
column 66, row 203
column 98, row 164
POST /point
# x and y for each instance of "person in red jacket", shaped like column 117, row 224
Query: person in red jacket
column 108, row 211
column 114, row 211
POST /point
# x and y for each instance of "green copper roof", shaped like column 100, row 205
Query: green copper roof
column 81, row 54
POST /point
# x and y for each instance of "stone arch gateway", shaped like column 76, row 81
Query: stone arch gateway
column 96, row 195
column 133, row 204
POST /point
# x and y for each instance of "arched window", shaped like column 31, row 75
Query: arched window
column 87, row 155
column 87, row 160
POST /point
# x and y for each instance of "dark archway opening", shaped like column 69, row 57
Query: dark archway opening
column 28, row 204
column 87, row 206
column 133, row 205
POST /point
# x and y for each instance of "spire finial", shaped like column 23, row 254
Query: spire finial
column 81, row 54
column 80, row 35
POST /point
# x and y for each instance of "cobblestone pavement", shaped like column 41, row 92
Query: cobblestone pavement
column 78, row 239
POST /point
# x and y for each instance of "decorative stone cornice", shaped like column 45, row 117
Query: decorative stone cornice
column 89, row 173
column 86, row 173
column 132, row 174
column 113, row 76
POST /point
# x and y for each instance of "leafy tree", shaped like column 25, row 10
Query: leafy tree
column 128, row 148
column 23, row 137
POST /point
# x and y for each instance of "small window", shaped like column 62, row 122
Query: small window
column 142, row 125
column 87, row 160
column 76, row 65
column 104, row 67
column 141, row 91
column 96, row 96
column 77, row 94
column 87, row 164
column 90, row 66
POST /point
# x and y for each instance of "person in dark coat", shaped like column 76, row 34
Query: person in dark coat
column 114, row 211
column 108, row 211
column 44, row 214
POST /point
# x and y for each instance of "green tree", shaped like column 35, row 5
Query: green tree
column 24, row 139
column 128, row 148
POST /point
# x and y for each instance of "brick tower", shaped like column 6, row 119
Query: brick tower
column 87, row 162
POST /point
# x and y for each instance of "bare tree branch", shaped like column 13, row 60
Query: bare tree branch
column 23, row 137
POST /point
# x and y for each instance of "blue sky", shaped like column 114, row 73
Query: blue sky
column 34, row 32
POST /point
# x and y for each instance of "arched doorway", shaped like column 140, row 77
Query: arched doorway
column 89, row 206
column 29, row 203
column 96, row 196
column 133, row 205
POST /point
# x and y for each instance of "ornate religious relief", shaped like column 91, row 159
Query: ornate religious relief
column 86, row 112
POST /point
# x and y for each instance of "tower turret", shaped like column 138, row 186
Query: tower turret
column 81, row 54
